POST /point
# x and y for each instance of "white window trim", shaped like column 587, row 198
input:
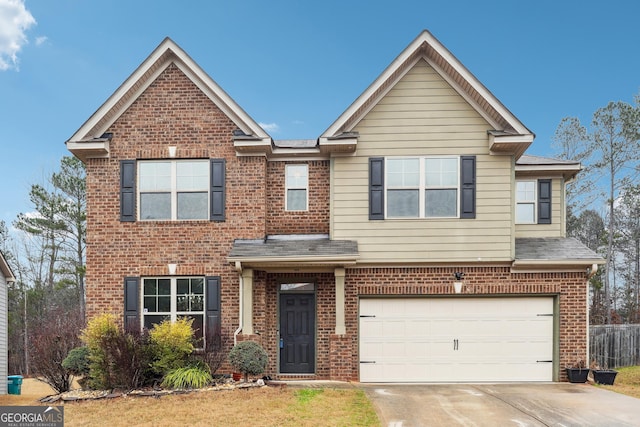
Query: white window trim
column 422, row 187
column 173, row 314
column 533, row 202
column 287, row 188
column 173, row 190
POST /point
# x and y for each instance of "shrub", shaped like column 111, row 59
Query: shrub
column 249, row 358
column 100, row 330
column 53, row 337
column 77, row 362
column 215, row 352
column 129, row 356
column 172, row 344
column 116, row 359
column 194, row 376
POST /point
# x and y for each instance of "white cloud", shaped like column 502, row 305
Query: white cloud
column 40, row 40
column 270, row 127
column 15, row 20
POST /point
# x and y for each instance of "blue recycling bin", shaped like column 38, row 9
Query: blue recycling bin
column 14, row 384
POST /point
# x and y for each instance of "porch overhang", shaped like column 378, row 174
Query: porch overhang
column 295, row 253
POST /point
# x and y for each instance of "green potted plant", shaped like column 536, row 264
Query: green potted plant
column 249, row 358
column 577, row 372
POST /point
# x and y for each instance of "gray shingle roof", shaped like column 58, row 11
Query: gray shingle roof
column 553, row 249
column 293, row 248
column 527, row 159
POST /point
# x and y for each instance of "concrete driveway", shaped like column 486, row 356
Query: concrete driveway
column 557, row 404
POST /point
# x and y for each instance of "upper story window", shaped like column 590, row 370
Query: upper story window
column 170, row 298
column 296, row 187
column 533, row 201
column 525, row 202
column 173, row 189
column 422, row 187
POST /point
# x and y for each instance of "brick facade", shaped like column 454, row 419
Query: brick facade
column 313, row 221
column 171, row 112
column 337, row 355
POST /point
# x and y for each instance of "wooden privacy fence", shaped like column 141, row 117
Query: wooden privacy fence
column 613, row 346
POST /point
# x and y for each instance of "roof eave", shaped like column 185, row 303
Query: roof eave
column 567, row 171
column 579, row 263
column 6, row 269
column 295, row 260
column 324, row 149
column 85, row 150
column 338, row 145
column 511, row 144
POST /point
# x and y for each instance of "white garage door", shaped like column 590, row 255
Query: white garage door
column 456, row 339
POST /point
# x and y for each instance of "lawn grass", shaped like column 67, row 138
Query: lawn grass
column 627, row 381
column 263, row 406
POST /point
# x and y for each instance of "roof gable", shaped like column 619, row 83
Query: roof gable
column 513, row 136
column 91, row 141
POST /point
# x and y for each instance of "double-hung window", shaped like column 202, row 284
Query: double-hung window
column 533, row 201
column 422, row 187
column 525, row 202
column 173, row 189
column 172, row 298
column 296, row 187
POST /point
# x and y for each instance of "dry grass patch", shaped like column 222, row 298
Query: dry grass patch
column 31, row 390
column 263, row 406
column 627, row 381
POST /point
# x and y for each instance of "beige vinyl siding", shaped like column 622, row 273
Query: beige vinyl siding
column 424, row 116
column 556, row 228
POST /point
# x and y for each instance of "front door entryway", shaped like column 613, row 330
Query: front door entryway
column 297, row 333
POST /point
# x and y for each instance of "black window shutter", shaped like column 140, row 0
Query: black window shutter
column 131, row 304
column 468, row 187
column 127, row 190
column 544, row 201
column 376, row 188
column 212, row 307
column 217, row 189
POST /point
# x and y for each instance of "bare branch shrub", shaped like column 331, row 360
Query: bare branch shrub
column 51, row 340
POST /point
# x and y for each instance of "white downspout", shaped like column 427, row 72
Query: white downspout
column 241, row 311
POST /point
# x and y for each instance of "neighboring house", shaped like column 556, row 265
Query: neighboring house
column 338, row 254
column 6, row 277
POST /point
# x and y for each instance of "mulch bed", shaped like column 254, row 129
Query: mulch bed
column 83, row 395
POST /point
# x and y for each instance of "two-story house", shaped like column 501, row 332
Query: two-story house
column 412, row 241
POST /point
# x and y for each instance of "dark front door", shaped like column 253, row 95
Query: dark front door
column 297, row 333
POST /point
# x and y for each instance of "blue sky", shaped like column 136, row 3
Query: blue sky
column 295, row 66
